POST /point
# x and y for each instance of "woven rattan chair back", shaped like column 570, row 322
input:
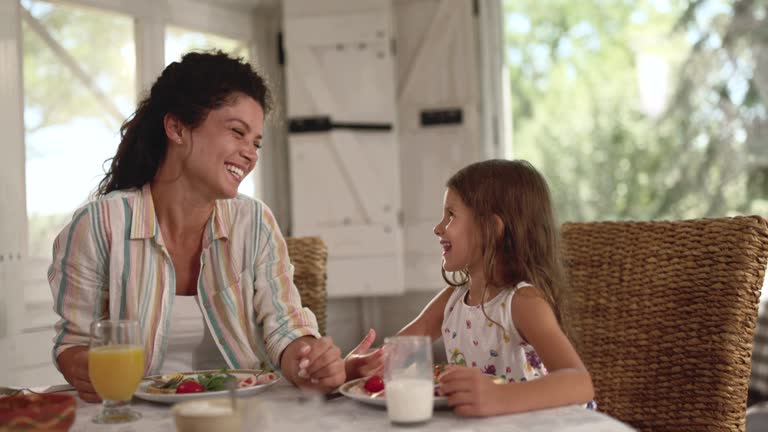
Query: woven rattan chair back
column 309, row 257
column 663, row 315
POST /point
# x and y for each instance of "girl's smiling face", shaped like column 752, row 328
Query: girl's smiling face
column 457, row 233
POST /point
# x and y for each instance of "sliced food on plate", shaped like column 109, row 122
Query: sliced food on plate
column 171, row 388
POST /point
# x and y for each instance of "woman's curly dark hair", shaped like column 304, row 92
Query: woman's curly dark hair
column 189, row 89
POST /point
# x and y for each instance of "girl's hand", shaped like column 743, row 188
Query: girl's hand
column 361, row 363
column 470, row 392
column 73, row 364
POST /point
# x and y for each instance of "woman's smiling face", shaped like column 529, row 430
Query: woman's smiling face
column 224, row 148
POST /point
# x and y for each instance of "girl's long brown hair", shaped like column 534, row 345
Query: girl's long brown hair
column 529, row 247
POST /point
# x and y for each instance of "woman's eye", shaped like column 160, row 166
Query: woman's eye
column 239, row 132
column 257, row 144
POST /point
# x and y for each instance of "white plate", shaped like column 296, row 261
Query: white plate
column 354, row 390
column 170, row 398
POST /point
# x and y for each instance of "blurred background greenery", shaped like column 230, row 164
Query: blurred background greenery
column 642, row 109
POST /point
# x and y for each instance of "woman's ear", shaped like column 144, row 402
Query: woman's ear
column 174, row 128
column 498, row 225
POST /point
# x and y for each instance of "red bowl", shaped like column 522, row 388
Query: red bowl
column 37, row 412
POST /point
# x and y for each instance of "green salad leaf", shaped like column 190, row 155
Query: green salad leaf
column 216, row 381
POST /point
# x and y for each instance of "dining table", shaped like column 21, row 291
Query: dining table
column 284, row 407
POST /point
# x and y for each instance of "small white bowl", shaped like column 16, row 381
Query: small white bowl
column 204, row 415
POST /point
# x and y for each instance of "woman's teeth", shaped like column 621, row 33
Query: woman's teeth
column 234, row 170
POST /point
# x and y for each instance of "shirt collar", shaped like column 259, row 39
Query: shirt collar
column 144, row 221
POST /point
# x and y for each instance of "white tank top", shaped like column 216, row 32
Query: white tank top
column 472, row 340
column 190, row 344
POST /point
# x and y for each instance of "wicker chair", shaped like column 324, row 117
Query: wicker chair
column 663, row 315
column 309, row 257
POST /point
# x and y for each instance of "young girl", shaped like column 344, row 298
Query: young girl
column 499, row 316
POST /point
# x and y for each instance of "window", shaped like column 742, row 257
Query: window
column 79, row 86
column 179, row 41
column 80, row 62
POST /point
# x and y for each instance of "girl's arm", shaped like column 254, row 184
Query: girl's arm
column 362, row 362
column 568, row 382
column 430, row 320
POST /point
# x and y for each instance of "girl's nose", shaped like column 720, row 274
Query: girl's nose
column 436, row 230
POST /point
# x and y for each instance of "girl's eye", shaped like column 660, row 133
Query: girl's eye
column 257, row 144
column 239, row 132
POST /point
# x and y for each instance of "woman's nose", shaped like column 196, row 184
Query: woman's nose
column 251, row 154
column 436, row 230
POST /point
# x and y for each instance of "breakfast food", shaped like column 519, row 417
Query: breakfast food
column 190, row 386
column 439, row 370
column 374, row 384
column 206, row 382
column 31, row 412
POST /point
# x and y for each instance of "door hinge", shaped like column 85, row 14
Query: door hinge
column 325, row 123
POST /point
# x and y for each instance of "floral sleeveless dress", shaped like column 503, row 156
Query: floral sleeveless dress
column 472, row 340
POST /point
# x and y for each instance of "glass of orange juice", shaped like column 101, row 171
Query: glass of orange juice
column 116, row 367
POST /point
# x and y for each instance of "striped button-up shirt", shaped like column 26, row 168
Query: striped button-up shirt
column 110, row 261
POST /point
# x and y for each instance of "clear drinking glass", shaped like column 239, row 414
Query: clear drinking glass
column 116, row 367
column 408, row 379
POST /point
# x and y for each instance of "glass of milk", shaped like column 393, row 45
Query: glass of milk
column 408, row 385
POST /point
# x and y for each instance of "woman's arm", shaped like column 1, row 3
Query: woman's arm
column 291, row 334
column 78, row 280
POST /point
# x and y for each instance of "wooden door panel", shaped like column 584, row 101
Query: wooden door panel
column 345, row 182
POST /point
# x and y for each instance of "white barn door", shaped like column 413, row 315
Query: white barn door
column 343, row 151
column 439, row 102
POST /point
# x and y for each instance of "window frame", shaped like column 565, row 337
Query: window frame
column 151, row 19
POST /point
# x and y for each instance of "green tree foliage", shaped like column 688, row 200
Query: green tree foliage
column 580, row 115
column 100, row 42
column 101, row 46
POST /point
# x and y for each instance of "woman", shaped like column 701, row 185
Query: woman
column 170, row 243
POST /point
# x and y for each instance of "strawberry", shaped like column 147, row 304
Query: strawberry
column 190, row 387
column 374, row 384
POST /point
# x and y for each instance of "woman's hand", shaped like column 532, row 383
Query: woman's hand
column 313, row 363
column 361, row 363
column 471, row 393
column 73, row 364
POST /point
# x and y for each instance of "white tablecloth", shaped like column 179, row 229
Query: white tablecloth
column 283, row 408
